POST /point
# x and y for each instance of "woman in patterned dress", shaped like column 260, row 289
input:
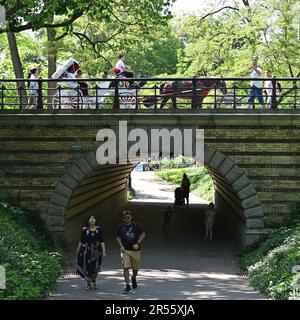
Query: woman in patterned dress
column 90, row 250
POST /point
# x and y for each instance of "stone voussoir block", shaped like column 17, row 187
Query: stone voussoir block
column 59, row 200
column 84, row 166
column 225, row 167
column 235, row 173
column 69, row 181
column 208, row 154
column 251, row 202
column 63, row 190
column 56, row 210
column 216, row 160
column 254, row 223
column 91, row 159
column 54, row 221
column 76, row 173
column 254, row 212
column 247, row 192
column 240, row 183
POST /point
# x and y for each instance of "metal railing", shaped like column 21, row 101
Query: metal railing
column 151, row 93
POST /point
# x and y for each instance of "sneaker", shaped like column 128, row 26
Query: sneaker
column 134, row 283
column 88, row 286
column 93, row 286
column 127, row 289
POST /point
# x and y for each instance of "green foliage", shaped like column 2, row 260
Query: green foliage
column 270, row 265
column 148, row 53
column 224, row 44
column 32, row 265
column 131, row 193
column 36, row 14
column 201, row 182
column 178, row 162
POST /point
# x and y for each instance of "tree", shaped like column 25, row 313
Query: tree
column 96, row 45
column 36, row 14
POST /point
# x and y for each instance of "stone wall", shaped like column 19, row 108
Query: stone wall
column 38, row 150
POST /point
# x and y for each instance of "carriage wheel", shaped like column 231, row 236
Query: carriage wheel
column 67, row 99
column 127, row 100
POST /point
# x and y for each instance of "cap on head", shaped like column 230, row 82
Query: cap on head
column 211, row 205
column 126, row 213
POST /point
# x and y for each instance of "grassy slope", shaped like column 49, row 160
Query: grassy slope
column 270, row 266
column 32, row 264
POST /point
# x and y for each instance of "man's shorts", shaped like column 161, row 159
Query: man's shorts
column 131, row 259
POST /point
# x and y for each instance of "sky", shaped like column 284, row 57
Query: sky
column 187, row 5
column 183, row 6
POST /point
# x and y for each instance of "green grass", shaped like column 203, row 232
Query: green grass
column 269, row 266
column 32, row 264
column 131, row 194
column 201, row 182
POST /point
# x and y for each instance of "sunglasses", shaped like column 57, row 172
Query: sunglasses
column 126, row 217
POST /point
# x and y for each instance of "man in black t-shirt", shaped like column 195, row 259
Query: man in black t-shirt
column 129, row 237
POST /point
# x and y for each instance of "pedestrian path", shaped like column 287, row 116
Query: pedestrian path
column 150, row 188
column 179, row 265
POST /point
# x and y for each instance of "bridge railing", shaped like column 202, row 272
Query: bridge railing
column 151, row 93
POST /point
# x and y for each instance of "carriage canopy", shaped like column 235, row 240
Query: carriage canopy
column 71, row 62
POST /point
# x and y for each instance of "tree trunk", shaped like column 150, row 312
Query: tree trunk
column 18, row 68
column 52, row 57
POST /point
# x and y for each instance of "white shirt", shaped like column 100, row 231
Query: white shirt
column 269, row 87
column 210, row 215
column 33, row 85
column 71, row 84
column 121, row 65
column 254, row 74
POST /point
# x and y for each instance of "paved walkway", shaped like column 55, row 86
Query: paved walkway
column 179, row 265
column 150, row 188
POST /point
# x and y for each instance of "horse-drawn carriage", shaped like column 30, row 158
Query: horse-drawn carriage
column 74, row 94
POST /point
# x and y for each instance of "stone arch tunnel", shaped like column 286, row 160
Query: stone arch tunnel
column 48, row 163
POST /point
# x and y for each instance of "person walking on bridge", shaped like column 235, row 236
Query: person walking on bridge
column 129, row 236
column 256, row 85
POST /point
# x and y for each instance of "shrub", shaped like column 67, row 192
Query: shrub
column 270, row 266
column 27, row 253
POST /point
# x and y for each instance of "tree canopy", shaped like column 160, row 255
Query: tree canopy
column 218, row 42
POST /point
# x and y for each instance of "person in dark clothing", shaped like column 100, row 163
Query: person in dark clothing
column 167, row 219
column 83, row 85
column 185, row 186
column 129, row 237
column 89, row 252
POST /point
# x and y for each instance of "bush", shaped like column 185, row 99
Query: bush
column 270, row 266
column 27, row 253
column 131, row 193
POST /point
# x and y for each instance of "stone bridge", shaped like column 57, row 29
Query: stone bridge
column 48, row 163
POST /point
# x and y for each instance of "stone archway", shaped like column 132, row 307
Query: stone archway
column 229, row 179
column 236, row 189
